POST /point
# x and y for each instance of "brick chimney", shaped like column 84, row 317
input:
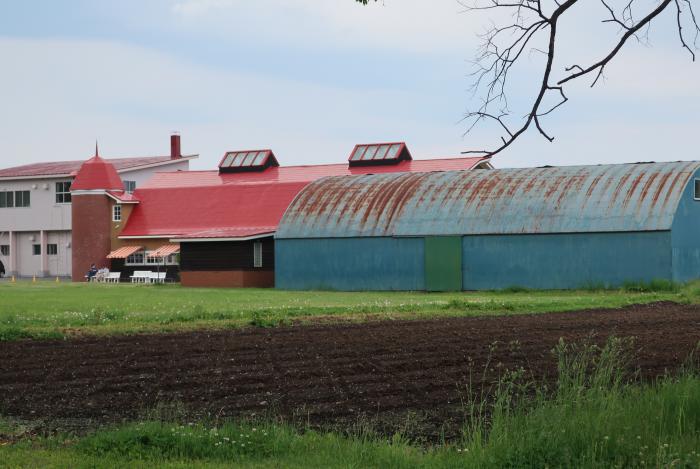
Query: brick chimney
column 175, row 152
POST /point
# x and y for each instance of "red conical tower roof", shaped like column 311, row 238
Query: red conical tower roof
column 97, row 173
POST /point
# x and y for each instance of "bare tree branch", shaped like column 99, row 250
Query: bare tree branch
column 503, row 47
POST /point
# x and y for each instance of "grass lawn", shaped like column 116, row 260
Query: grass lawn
column 46, row 309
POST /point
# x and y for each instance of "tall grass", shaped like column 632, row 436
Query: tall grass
column 597, row 415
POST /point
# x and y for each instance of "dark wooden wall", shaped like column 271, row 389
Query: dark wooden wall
column 225, row 255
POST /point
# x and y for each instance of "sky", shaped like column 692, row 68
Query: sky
column 311, row 78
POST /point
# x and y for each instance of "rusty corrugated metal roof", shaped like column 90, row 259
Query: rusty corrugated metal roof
column 621, row 197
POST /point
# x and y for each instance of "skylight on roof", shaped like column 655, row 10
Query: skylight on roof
column 248, row 160
column 379, row 153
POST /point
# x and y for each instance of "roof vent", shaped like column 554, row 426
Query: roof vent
column 248, row 160
column 376, row 154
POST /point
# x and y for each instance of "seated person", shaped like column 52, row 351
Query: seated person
column 92, row 272
column 101, row 274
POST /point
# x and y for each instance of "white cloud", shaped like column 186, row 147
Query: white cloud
column 66, row 93
column 412, row 26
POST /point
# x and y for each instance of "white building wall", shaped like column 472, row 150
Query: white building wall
column 42, row 214
column 142, row 175
column 60, row 263
column 45, row 214
column 28, row 264
column 5, row 260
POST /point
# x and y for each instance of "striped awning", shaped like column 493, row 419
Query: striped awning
column 165, row 251
column 123, row 253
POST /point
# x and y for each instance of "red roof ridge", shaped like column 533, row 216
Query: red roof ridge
column 96, row 173
column 344, row 164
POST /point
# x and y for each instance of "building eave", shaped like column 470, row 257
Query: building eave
column 147, row 237
column 123, row 170
column 203, row 240
column 43, row 176
column 160, row 163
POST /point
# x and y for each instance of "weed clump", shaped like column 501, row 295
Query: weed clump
column 655, row 285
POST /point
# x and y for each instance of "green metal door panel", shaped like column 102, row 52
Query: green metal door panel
column 443, row 263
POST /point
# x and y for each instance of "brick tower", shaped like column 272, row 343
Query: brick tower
column 91, row 213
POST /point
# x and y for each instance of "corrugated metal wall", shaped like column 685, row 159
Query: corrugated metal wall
column 564, row 260
column 685, row 236
column 554, row 261
column 350, row 264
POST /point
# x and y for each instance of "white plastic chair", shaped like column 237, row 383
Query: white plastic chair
column 141, row 276
column 113, row 277
column 157, row 277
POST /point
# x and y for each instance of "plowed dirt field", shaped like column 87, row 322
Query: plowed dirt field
column 326, row 374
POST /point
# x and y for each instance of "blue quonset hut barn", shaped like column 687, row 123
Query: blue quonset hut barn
column 551, row 227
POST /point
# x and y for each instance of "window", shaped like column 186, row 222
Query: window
column 130, row 186
column 257, row 254
column 5, row 250
column 21, row 198
column 36, row 249
column 52, row 249
column 7, row 199
column 63, row 193
column 153, row 260
column 697, row 190
column 117, row 213
column 135, row 259
column 145, row 258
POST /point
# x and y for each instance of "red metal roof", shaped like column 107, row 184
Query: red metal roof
column 206, row 204
column 70, row 168
column 124, row 197
column 226, row 210
column 97, row 173
column 303, row 173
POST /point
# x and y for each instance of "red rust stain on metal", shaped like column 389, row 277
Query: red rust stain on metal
column 648, row 184
column 405, row 193
column 363, row 204
column 633, row 187
column 554, row 186
column 593, row 185
column 675, row 180
column 490, row 183
column 662, row 184
column 566, row 190
column 350, row 195
column 512, row 185
column 379, row 205
column 323, row 193
column 466, row 187
column 645, row 190
column 340, row 191
column 618, row 189
column 476, row 191
column 531, row 177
